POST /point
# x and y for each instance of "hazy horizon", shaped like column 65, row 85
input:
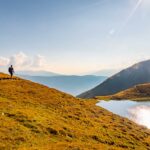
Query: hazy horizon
column 74, row 36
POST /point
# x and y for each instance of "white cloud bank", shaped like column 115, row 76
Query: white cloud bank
column 140, row 115
column 22, row 61
column 3, row 61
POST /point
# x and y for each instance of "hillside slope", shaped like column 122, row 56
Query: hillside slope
column 136, row 74
column 37, row 117
column 138, row 92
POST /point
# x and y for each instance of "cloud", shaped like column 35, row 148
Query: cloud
column 4, row 61
column 112, row 32
column 21, row 61
column 140, row 115
column 39, row 61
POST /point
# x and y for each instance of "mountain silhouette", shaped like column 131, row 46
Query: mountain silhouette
column 70, row 84
column 127, row 78
column 36, row 73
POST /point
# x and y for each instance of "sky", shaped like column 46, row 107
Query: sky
column 74, row 36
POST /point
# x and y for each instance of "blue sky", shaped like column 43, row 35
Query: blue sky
column 74, row 36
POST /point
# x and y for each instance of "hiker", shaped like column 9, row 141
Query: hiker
column 11, row 70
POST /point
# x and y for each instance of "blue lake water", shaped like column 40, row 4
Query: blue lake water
column 139, row 112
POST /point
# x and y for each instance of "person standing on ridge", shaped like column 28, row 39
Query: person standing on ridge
column 11, row 71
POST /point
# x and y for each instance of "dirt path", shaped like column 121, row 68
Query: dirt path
column 8, row 78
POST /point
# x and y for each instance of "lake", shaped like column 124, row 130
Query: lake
column 139, row 112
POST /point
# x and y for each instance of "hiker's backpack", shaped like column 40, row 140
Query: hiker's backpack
column 10, row 69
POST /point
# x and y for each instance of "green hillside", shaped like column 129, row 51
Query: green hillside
column 35, row 117
column 138, row 92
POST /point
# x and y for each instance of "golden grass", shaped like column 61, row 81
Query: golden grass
column 7, row 77
column 33, row 116
column 138, row 93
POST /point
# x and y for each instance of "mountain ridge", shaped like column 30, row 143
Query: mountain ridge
column 72, row 84
column 139, row 73
column 37, row 73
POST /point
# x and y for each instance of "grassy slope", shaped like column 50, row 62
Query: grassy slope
column 139, row 92
column 33, row 116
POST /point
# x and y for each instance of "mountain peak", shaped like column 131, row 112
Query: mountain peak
column 137, row 74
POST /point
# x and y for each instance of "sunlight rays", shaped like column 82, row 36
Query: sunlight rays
column 139, row 2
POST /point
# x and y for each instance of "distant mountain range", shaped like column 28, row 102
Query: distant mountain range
column 70, row 84
column 106, row 72
column 37, row 73
column 127, row 78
